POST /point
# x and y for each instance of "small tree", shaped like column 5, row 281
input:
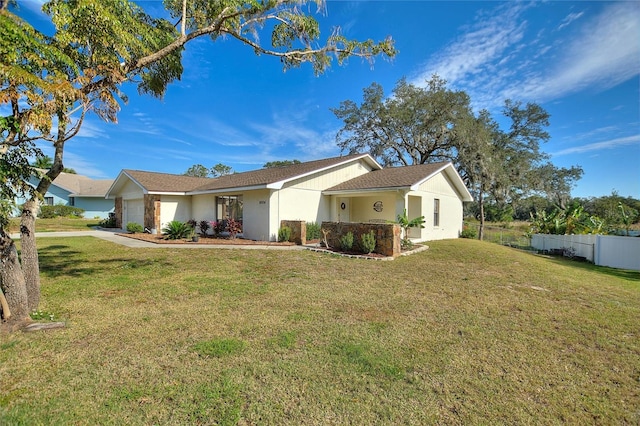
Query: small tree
column 220, row 170
column 368, row 242
column 405, row 224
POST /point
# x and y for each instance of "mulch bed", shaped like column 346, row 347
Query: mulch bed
column 159, row 239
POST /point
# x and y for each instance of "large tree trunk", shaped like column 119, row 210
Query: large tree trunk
column 12, row 280
column 29, row 255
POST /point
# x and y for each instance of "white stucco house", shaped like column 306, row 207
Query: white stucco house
column 352, row 188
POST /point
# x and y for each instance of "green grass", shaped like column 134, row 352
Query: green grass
column 57, row 224
column 466, row 332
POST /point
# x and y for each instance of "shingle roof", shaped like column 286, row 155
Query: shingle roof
column 273, row 175
column 82, row 186
column 392, row 177
column 165, row 182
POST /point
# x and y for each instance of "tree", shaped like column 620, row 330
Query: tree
column 406, row 223
column 477, row 158
column 282, row 163
column 554, row 182
column 197, row 170
column 413, row 126
column 46, row 162
column 423, row 125
column 49, row 83
column 220, row 170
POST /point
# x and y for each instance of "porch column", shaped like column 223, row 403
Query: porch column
column 117, row 211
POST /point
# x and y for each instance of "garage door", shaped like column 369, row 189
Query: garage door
column 133, row 212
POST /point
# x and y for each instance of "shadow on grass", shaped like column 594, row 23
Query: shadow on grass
column 60, row 260
column 626, row 274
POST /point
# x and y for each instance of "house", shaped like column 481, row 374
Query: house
column 352, row 188
column 78, row 191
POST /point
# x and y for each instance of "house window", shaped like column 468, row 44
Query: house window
column 229, row 207
column 72, row 201
column 436, row 212
column 48, row 201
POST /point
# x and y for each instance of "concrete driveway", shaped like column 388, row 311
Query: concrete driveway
column 112, row 236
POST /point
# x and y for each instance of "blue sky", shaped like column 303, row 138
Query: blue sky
column 579, row 60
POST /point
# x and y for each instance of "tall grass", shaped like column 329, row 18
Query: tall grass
column 465, row 332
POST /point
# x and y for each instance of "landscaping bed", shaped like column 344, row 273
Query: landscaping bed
column 159, row 239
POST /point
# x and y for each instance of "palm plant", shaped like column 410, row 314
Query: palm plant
column 176, row 230
column 405, row 224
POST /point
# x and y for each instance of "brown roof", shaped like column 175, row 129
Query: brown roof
column 165, row 182
column 392, row 177
column 274, row 175
column 82, row 186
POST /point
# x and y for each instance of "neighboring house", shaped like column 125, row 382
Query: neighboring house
column 352, row 188
column 78, row 191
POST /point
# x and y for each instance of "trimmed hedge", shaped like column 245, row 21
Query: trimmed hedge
column 49, row 212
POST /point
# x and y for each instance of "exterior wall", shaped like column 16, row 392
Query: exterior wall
column 362, row 208
column 451, row 212
column 131, row 191
column 387, row 235
column 256, row 215
column 303, row 204
column 323, row 180
column 203, row 207
column 175, row 207
column 95, row 207
column 60, row 196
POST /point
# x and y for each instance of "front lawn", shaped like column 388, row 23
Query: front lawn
column 57, row 224
column 466, row 332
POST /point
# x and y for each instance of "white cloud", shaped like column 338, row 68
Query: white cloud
column 483, row 43
column 83, row 166
column 495, row 59
column 604, row 54
column 569, row 19
column 599, row 146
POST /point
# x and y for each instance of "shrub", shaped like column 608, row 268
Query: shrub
column 368, row 242
column 134, row 227
column 176, row 230
column 234, row 227
column 284, row 234
column 109, row 222
column 204, row 227
column 49, row 212
column 192, row 223
column 217, row 227
column 346, row 241
column 313, row 231
column 468, row 232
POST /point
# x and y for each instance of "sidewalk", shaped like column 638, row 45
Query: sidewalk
column 112, row 236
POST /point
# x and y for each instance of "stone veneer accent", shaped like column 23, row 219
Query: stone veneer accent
column 298, row 230
column 387, row 235
column 118, row 212
column 152, row 212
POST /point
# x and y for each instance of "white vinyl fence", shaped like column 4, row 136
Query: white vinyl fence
column 603, row 250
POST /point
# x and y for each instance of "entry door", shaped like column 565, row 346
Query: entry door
column 344, row 209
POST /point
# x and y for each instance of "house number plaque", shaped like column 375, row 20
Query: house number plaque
column 377, row 206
